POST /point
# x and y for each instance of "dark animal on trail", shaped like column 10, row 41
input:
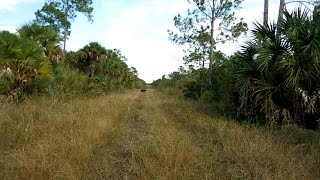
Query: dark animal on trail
column 143, row 90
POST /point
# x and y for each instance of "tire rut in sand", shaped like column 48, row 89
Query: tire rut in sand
column 122, row 151
column 113, row 159
column 147, row 144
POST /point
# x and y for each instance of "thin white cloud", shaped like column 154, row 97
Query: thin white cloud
column 11, row 4
column 8, row 28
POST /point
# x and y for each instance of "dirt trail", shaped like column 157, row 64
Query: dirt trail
column 150, row 135
column 146, row 145
column 162, row 138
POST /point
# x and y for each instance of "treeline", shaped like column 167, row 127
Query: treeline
column 32, row 61
column 274, row 78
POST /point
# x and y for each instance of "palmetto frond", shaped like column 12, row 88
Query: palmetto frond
column 287, row 63
column 263, row 94
column 302, row 31
column 263, row 32
column 25, row 59
column 46, row 37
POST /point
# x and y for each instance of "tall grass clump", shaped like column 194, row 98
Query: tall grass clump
column 42, row 138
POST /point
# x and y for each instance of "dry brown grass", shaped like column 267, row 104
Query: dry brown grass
column 149, row 135
column 234, row 151
column 46, row 139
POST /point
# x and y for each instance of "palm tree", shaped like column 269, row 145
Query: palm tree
column 302, row 29
column 265, row 11
column 280, row 15
column 89, row 56
column 281, row 74
column 112, row 71
column 25, row 59
column 47, row 37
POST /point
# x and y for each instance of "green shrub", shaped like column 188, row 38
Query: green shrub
column 67, row 81
column 6, row 83
column 207, row 96
column 192, row 90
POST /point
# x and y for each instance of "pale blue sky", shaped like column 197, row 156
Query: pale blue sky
column 138, row 28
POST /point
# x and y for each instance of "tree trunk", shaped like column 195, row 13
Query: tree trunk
column 202, row 64
column 65, row 34
column 266, row 11
column 203, row 58
column 211, row 46
column 280, row 16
